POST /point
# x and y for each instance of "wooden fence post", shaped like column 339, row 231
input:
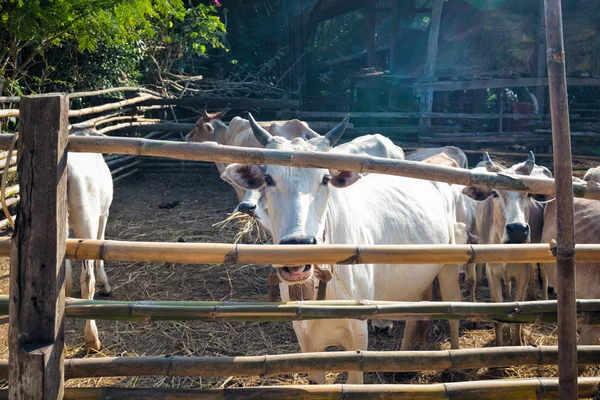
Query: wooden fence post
column 429, row 71
column 565, row 255
column 37, row 274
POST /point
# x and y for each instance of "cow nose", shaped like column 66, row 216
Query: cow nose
column 247, row 208
column 299, row 240
column 517, row 232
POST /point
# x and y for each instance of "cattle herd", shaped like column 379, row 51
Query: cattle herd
column 320, row 206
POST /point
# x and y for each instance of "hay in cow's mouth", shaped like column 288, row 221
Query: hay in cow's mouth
column 245, row 222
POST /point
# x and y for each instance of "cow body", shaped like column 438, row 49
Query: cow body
column 504, row 217
column 587, row 231
column 451, row 151
column 312, row 205
column 89, row 196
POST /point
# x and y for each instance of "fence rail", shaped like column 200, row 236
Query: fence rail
column 338, row 361
column 210, row 311
column 533, row 389
column 221, row 253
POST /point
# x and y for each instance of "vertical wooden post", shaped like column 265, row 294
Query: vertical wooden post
column 540, row 58
column 394, row 36
column 371, row 45
column 500, row 107
column 37, row 273
column 565, row 256
column 429, row 72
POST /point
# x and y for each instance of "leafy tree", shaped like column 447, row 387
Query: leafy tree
column 42, row 39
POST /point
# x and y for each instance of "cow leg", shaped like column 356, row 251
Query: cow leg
column 531, row 295
column 408, row 340
column 357, row 339
column 309, row 344
column 450, row 291
column 544, row 277
column 68, row 278
column 479, row 272
column 589, row 335
column 523, row 275
column 495, row 284
column 102, row 279
column 88, row 230
column 472, row 280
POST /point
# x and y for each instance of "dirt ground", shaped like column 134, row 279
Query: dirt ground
column 184, row 207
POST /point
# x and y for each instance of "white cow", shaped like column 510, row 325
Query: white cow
column 451, row 151
column 314, row 205
column 89, row 195
column 503, row 217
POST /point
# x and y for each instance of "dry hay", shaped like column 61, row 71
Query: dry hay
column 246, row 225
column 204, row 200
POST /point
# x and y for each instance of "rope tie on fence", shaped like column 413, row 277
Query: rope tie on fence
column 13, row 142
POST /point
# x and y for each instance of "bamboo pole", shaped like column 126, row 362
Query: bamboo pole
column 13, row 112
column 125, row 167
column 565, row 251
column 145, row 126
column 211, row 311
column 225, row 253
column 109, row 106
column 118, row 159
column 125, row 175
column 230, row 154
column 350, row 162
column 78, row 95
column 339, row 361
column 501, row 389
column 10, row 99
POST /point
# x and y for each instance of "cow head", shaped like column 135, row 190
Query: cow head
column 510, row 208
column 296, row 198
column 208, row 127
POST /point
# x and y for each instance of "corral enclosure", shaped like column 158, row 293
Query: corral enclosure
column 418, row 72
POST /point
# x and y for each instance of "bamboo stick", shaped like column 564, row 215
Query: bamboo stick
column 211, row 311
column 125, row 175
column 5, row 222
column 13, row 112
column 217, row 153
column 118, row 160
column 125, row 167
column 11, row 162
column 229, row 154
column 109, row 106
column 339, row 361
column 11, row 191
column 145, row 126
column 565, row 252
column 501, row 389
column 10, row 99
column 223, row 253
column 78, row 95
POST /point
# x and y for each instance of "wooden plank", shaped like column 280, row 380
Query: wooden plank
column 36, row 330
column 372, row 30
column 563, row 173
column 540, row 57
column 432, row 48
column 308, row 115
column 240, row 103
column 439, row 86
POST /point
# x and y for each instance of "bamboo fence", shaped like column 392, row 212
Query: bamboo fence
column 339, row 361
column 221, row 253
column 214, row 311
column 533, row 389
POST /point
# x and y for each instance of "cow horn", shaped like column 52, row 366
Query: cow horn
column 205, row 114
column 224, row 112
column 530, row 163
column 488, row 163
column 336, row 133
column 260, row 133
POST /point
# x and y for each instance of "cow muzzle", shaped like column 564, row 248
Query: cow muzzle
column 295, row 275
column 247, row 208
column 517, row 233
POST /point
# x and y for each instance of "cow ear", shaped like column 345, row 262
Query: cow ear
column 342, row 179
column 477, row 193
column 244, row 176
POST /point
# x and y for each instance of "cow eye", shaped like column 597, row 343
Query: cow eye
column 326, row 179
column 494, row 194
column 269, row 180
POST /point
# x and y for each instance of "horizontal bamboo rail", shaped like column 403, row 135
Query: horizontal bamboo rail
column 339, row 361
column 125, row 175
column 110, row 106
column 501, row 389
column 221, row 253
column 229, row 154
column 214, row 311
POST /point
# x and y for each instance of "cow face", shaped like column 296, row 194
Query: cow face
column 510, row 208
column 208, row 128
column 296, row 198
